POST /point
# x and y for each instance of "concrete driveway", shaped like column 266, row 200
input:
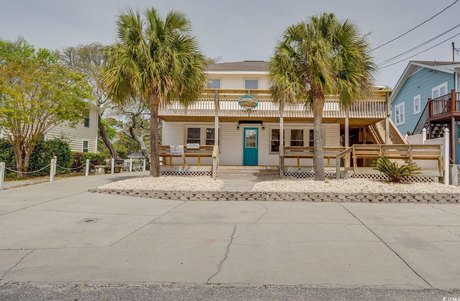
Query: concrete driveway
column 57, row 232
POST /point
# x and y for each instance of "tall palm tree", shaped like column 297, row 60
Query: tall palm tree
column 154, row 60
column 320, row 57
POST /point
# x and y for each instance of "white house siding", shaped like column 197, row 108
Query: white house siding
column 236, row 81
column 76, row 135
column 231, row 140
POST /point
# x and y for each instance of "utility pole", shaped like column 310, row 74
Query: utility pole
column 453, row 52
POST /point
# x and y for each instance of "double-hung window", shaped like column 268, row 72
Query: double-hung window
column 251, row 84
column 417, row 104
column 439, row 90
column 210, row 136
column 275, row 138
column 399, row 114
column 296, row 137
column 85, row 146
column 214, row 84
column 193, row 135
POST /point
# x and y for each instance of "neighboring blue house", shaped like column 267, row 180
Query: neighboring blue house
column 411, row 109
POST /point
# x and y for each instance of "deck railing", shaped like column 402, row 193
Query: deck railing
column 444, row 105
column 225, row 104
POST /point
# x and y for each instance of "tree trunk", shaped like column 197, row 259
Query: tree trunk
column 18, row 157
column 318, row 155
column 105, row 138
column 140, row 141
column 154, row 138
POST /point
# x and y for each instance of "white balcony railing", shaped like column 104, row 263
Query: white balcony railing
column 228, row 106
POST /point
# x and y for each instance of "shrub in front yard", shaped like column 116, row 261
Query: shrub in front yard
column 46, row 150
column 393, row 171
column 79, row 159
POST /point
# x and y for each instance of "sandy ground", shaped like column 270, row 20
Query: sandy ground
column 351, row 186
column 168, row 183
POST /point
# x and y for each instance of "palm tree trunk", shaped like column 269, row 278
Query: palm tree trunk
column 154, row 138
column 318, row 155
column 105, row 138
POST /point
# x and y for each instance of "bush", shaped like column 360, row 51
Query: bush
column 393, row 171
column 46, row 150
column 7, row 154
column 79, row 159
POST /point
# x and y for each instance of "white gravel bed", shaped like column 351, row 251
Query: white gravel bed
column 352, row 186
column 202, row 183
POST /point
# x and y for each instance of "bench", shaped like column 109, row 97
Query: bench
column 307, row 152
column 203, row 151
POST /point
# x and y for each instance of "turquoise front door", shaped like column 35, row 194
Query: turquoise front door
column 251, row 147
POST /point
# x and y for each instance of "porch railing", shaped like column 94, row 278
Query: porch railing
column 444, row 105
column 225, row 103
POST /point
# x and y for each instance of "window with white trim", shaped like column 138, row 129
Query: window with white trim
column 439, row 90
column 275, row 140
column 251, row 84
column 193, row 135
column 399, row 114
column 210, row 136
column 85, row 146
column 417, row 104
column 311, row 137
column 214, row 83
column 296, row 137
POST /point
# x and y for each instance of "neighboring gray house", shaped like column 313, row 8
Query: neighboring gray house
column 426, row 96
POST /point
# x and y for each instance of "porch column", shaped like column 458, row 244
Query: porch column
column 347, row 137
column 216, row 118
column 452, row 138
column 281, row 150
column 387, row 122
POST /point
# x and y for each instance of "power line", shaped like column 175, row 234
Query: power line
column 419, row 45
column 458, row 34
column 417, row 26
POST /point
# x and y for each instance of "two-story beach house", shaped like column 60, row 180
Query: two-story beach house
column 427, row 96
column 238, row 103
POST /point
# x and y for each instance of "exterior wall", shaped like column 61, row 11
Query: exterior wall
column 76, row 135
column 231, row 140
column 236, row 81
column 420, row 83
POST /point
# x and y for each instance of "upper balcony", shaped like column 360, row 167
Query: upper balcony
column 444, row 107
column 224, row 103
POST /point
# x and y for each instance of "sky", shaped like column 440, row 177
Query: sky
column 240, row 29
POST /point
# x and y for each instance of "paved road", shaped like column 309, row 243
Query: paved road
column 58, row 233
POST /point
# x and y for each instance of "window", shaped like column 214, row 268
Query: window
column 250, row 138
column 86, row 122
column 311, row 138
column 193, row 135
column 275, row 141
column 251, row 84
column 85, row 148
column 214, row 84
column 210, row 136
column 399, row 114
column 439, row 90
column 296, row 137
column 417, row 104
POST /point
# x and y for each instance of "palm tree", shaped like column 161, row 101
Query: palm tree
column 154, row 60
column 321, row 57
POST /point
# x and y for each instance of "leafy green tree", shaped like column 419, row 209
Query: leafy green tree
column 321, row 57
column 154, row 60
column 36, row 94
column 89, row 60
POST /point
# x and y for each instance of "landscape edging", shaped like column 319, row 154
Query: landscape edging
column 425, row 198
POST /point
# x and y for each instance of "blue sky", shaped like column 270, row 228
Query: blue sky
column 236, row 30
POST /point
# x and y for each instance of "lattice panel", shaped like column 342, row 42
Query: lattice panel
column 186, row 173
column 306, row 175
column 381, row 177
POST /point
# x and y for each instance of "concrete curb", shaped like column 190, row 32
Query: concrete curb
column 423, row 198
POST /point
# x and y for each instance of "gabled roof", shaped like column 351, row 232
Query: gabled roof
column 244, row 66
column 413, row 66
